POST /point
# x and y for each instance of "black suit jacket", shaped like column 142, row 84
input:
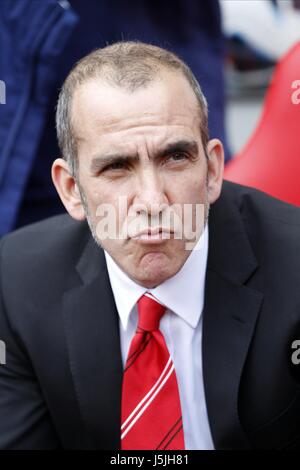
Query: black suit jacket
column 61, row 385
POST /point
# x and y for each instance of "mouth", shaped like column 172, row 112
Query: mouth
column 154, row 235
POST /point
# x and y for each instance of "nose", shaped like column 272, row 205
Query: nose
column 150, row 193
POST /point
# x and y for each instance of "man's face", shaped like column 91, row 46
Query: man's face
column 144, row 148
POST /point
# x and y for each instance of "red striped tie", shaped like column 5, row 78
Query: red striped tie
column 151, row 412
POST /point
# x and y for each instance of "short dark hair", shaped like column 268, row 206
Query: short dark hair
column 130, row 65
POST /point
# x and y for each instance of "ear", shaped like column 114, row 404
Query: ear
column 215, row 167
column 67, row 189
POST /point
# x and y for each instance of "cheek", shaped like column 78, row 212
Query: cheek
column 190, row 189
column 108, row 206
column 98, row 194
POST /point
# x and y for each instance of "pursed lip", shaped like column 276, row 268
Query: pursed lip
column 153, row 234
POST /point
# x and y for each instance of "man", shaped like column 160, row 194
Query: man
column 120, row 336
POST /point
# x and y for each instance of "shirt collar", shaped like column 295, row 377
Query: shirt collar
column 183, row 293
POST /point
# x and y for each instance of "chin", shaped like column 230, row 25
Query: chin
column 156, row 275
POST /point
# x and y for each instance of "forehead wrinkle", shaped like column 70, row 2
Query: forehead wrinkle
column 156, row 131
column 140, row 124
column 110, row 120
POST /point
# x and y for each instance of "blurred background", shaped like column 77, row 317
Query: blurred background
column 232, row 46
column 258, row 34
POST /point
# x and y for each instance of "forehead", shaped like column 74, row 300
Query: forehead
column 114, row 115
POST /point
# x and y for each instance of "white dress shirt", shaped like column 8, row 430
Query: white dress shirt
column 181, row 325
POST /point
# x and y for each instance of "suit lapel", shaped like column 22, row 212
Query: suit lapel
column 93, row 342
column 230, row 313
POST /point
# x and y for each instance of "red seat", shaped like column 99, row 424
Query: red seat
column 270, row 161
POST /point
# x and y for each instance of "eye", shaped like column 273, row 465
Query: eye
column 178, row 156
column 115, row 166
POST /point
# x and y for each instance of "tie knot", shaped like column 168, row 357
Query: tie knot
column 150, row 312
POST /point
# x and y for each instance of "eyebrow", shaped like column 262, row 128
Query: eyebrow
column 100, row 161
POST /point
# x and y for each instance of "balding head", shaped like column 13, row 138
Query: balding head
column 127, row 65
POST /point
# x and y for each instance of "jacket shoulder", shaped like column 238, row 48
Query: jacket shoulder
column 272, row 227
column 251, row 201
column 40, row 254
column 49, row 234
